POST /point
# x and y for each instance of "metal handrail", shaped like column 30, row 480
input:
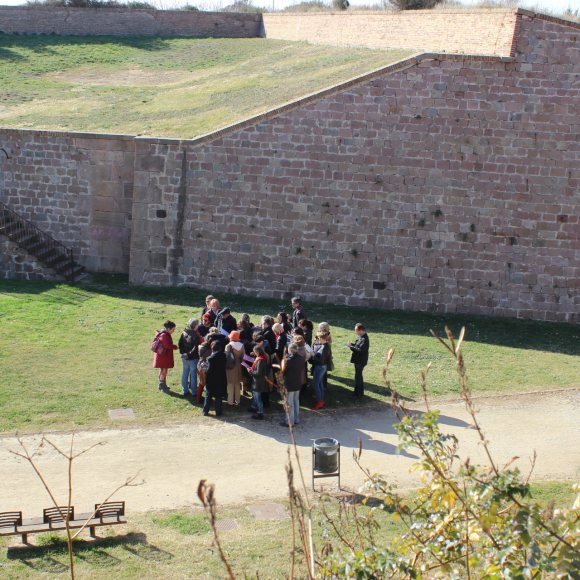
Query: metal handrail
column 24, row 229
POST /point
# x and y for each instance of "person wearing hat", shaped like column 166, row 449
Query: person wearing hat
column 235, row 353
column 225, row 321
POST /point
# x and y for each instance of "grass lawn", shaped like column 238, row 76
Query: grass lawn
column 162, row 87
column 179, row 545
column 68, row 354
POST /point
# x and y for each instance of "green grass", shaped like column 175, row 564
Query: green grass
column 560, row 492
column 150, row 548
column 68, row 354
column 188, row 525
column 163, row 87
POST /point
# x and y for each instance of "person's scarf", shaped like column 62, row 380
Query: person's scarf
column 255, row 363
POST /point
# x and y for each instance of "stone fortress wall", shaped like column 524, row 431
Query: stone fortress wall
column 448, row 183
column 123, row 22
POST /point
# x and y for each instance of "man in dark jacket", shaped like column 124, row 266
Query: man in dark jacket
column 293, row 371
column 216, row 379
column 189, row 342
column 226, row 321
column 298, row 312
column 359, row 358
column 268, row 334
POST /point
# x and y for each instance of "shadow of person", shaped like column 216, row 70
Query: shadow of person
column 443, row 419
column 374, row 428
column 370, row 387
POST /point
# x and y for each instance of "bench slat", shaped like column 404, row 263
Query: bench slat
column 44, row 528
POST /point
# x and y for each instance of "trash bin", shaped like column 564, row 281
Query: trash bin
column 326, row 450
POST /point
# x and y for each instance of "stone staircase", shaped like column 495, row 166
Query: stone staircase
column 50, row 252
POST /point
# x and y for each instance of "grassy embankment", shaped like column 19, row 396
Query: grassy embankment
column 163, row 87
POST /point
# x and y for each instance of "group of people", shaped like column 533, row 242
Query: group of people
column 224, row 359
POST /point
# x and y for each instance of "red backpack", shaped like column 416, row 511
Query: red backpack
column 156, row 345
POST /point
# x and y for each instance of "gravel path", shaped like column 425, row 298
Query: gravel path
column 246, row 458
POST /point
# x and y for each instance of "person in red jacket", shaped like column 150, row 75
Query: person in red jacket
column 164, row 360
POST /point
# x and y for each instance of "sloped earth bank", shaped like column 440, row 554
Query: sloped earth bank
column 246, row 458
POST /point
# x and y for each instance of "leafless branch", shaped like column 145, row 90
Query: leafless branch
column 206, row 495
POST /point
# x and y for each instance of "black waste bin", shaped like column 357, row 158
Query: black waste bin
column 326, row 450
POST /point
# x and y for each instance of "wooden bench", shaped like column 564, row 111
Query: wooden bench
column 53, row 519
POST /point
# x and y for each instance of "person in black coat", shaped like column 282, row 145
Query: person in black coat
column 216, row 379
column 218, row 336
column 298, row 313
column 359, row 358
column 282, row 319
column 308, row 328
column 205, row 325
column 207, row 307
column 268, row 334
column 226, row 321
column 293, row 371
column 246, row 329
column 281, row 342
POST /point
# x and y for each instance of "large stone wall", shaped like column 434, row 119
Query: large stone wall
column 16, row 264
column 124, row 22
column 77, row 187
column 446, row 184
column 463, row 31
column 442, row 183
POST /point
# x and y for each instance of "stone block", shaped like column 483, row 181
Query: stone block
column 151, row 163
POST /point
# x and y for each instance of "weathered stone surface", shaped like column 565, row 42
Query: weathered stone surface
column 446, row 184
column 470, row 32
column 416, row 189
column 123, row 22
column 75, row 188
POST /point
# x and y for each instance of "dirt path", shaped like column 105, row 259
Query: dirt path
column 246, row 458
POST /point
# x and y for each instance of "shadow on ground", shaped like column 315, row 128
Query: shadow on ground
column 43, row 558
column 550, row 337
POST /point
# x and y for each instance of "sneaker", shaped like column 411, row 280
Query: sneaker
column 318, row 406
column 283, row 424
column 258, row 416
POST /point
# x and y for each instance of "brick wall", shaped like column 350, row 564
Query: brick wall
column 77, row 187
column 123, row 22
column 15, row 264
column 468, row 31
column 442, row 184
